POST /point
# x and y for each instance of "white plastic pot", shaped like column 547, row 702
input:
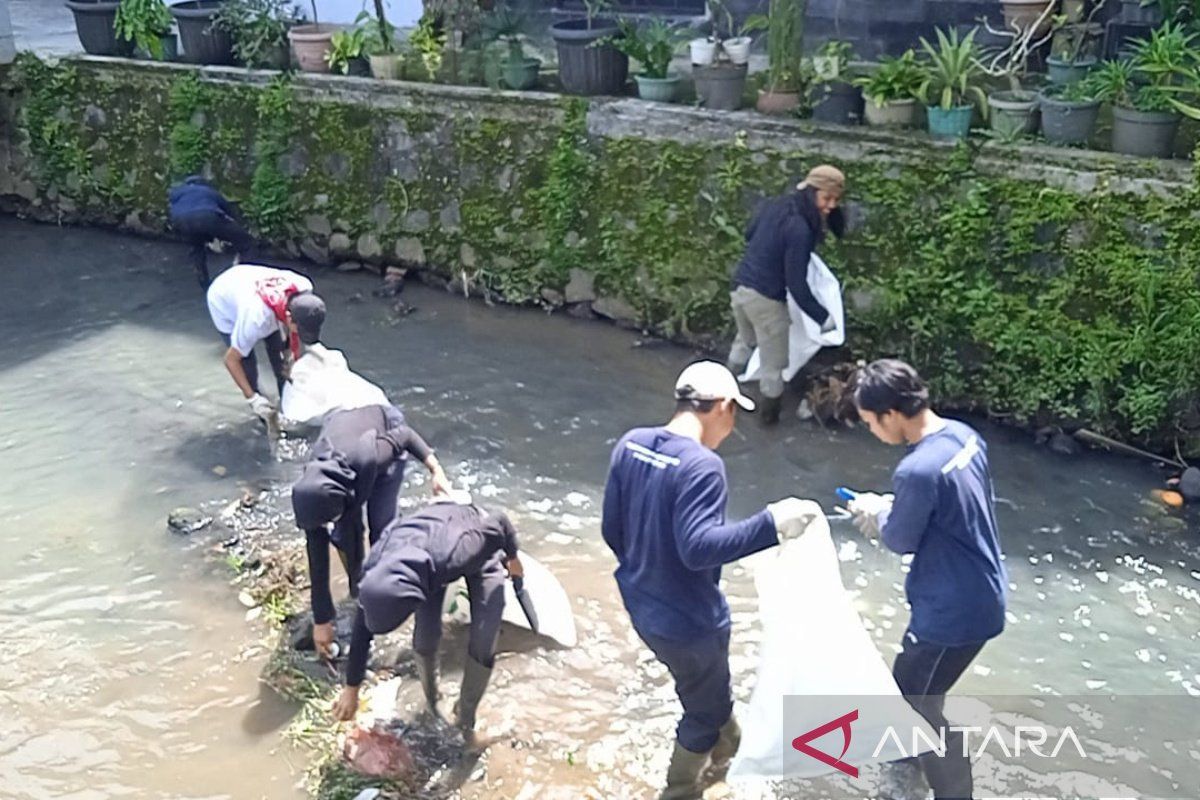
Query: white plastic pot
column 704, row 51
column 737, row 49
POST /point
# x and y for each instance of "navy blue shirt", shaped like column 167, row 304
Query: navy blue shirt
column 944, row 513
column 779, row 244
column 194, row 195
column 664, row 518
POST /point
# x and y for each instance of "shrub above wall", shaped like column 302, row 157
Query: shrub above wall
column 1030, row 282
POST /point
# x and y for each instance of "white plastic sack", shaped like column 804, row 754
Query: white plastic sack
column 805, row 337
column 815, row 646
column 555, row 617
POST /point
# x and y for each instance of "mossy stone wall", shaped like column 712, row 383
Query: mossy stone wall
column 1033, row 282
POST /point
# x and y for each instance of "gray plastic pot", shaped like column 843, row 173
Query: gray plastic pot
column 893, row 113
column 585, row 67
column 95, row 22
column 1144, row 133
column 720, row 87
column 1062, row 72
column 660, row 90
column 1068, row 121
column 202, row 43
column 1013, row 113
column 840, row 103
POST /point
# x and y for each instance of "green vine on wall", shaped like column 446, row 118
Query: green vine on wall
column 271, row 204
column 51, row 117
column 187, row 140
column 560, row 204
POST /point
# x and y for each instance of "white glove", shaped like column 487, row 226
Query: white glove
column 792, row 516
column 867, row 509
column 261, row 406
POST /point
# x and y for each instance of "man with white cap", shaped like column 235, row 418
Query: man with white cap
column 779, row 244
column 664, row 518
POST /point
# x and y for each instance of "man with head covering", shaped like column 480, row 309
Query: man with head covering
column 356, row 464
column 407, row 573
column 781, row 239
column 249, row 304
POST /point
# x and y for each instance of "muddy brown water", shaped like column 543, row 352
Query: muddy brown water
column 127, row 668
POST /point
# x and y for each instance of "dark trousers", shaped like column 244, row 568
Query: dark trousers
column 201, row 227
column 925, row 672
column 486, row 592
column 700, row 667
column 275, row 349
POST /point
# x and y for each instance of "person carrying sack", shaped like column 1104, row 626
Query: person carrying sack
column 664, row 519
column 407, row 573
column 780, row 240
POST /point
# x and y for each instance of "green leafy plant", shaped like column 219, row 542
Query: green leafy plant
column 894, row 79
column 784, row 23
column 428, row 40
column 379, row 34
column 652, row 46
column 344, row 47
column 832, row 61
column 594, row 8
column 145, row 23
column 508, row 26
column 953, row 72
column 1163, row 74
column 259, row 28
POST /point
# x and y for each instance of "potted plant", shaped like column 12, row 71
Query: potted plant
column 1012, row 111
column 202, row 41
column 653, row 47
column 147, row 25
column 736, row 44
column 951, row 84
column 1022, row 14
column 346, row 52
column 837, row 98
column 1069, row 112
column 312, row 43
column 259, row 29
column 428, row 41
column 891, row 91
column 379, row 44
column 588, row 62
column 95, row 23
column 785, row 36
column 505, row 25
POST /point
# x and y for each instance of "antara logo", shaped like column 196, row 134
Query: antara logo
column 801, row 743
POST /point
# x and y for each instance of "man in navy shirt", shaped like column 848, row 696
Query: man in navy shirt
column 199, row 213
column 943, row 513
column 664, row 518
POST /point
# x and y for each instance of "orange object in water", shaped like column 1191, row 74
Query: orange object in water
column 1173, row 499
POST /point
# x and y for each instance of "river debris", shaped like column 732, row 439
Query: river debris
column 188, row 520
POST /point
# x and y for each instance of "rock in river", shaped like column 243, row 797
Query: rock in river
column 187, row 520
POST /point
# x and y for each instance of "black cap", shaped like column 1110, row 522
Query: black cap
column 308, row 312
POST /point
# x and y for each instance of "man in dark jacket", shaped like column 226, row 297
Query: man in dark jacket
column 199, row 213
column 779, row 243
column 664, row 519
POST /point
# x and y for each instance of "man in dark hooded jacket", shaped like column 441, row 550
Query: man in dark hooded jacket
column 358, row 460
column 407, row 573
column 199, row 213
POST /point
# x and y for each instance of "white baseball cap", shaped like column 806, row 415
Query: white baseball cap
column 710, row 380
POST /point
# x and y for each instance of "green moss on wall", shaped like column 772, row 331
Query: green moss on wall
column 1013, row 296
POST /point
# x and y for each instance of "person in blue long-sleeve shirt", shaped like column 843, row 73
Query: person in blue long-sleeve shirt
column 664, row 518
column 199, row 213
column 942, row 511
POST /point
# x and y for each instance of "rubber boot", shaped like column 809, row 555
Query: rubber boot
column 725, row 749
column 768, row 410
column 474, row 684
column 427, row 673
column 683, row 776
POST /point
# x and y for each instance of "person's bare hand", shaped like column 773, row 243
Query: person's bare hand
column 515, row 568
column 441, row 484
column 323, row 639
column 346, row 706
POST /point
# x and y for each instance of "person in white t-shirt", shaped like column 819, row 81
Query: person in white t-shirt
column 249, row 304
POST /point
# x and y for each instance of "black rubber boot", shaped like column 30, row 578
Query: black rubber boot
column 725, row 750
column 474, row 684
column 683, row 776
column 768, row 410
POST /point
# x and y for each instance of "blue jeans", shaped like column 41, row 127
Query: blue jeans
column 700, row 667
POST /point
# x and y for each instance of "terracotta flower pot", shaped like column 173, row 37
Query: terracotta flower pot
column 311, row 43
column 774, row 102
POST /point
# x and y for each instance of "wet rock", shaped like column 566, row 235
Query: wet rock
column 581, row 288
column 616, row 309
column 220, row 471
column 581, row 310
column 349, row 266
column 1064, row 444
column 318, row 225
column 402, row 309
column 369, row 246
column 552, row 297
column 466, row 255
column 450, row 217
column 313, row 251
column 381, row 213
column 187, row 520
column 417, row 221
column 338, row 166
column 1189, row 484
column 340, row 244
column 94, row 117
column 393, row 283
column 410, row 251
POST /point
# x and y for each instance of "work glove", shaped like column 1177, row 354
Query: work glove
column 829, row 324
column 792, row 516
column 868, row 509
column 261, row 406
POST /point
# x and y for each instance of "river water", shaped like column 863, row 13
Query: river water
column 127, row 669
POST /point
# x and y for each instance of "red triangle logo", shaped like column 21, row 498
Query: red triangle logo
column 801, row 743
